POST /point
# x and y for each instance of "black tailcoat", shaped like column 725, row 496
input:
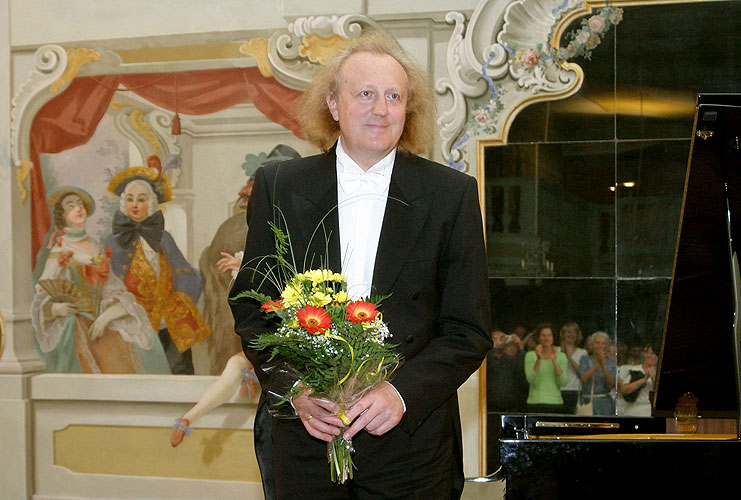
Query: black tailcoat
column 430, row 257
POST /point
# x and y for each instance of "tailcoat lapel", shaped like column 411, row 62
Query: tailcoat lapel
column 407, row 209
column 314, row 199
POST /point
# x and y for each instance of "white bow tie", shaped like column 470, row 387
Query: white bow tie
column 371, row 182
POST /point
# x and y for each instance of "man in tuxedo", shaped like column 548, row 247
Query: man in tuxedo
column 393, row 223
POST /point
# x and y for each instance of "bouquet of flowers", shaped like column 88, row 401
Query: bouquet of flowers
column 335, row 346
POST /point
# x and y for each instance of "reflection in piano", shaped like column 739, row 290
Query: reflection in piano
column 598, row 457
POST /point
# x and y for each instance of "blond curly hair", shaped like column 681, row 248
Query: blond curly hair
column 322, row 130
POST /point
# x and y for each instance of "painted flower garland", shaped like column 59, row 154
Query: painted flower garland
column 582, row 41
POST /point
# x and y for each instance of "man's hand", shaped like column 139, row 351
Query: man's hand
column 319, row 416
column 377, row 412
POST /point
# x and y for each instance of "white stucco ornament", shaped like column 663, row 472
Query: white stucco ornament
column 506, row 57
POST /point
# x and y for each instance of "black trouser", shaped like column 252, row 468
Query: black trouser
column 397, row 465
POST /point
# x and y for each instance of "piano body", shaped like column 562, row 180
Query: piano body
column 573, row 457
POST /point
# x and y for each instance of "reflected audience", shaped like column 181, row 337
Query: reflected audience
column 528, row 338
column 636, row 380
column 546, row 371
column 616, row 378
column 520, row 331
column 570, row 338
column 597, row 374
column 506, row 384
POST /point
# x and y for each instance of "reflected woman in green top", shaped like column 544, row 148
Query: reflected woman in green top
column 546, row 370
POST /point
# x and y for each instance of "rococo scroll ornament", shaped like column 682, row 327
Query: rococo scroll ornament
column 507, row 57
column 55, row 67
column 296, row 54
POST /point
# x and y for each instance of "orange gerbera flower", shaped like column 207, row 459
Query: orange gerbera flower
column 272, row 306
column 360, row 311
column 314, row 319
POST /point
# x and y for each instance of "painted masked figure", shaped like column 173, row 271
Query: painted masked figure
column 146, row 258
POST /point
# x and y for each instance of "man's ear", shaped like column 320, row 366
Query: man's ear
column 332, row 105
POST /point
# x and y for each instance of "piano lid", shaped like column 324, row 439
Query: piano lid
column 698, row 347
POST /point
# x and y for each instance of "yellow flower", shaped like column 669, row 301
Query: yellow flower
column 320, row 299
column 315, row 275
column 341, row 297
column 338, row 277
column 293, row 324
column 291, row 296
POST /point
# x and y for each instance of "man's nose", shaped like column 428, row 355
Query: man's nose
column 380, row 107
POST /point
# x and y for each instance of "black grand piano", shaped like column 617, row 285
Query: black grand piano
column 571, row 457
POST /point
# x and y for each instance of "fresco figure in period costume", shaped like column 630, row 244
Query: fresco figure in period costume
column 221, row 260
column 84, row 319
column 146, row 258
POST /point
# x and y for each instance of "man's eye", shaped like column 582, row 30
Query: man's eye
column 365, row 93
column 394, row 96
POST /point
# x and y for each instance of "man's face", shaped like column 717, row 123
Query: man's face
column 137, row 202
column 370, row 106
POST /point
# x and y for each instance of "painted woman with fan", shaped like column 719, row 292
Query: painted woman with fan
column 84, row 318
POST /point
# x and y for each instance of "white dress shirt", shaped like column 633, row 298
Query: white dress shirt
column 361, row 203
column 361, row 198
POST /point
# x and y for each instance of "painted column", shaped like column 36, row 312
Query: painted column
column 18, row 361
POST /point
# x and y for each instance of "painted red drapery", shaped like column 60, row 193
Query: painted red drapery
column 71, row 118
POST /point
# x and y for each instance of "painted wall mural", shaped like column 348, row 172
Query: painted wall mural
column 113, row 291
column 96, row 144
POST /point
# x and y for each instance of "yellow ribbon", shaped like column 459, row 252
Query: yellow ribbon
column 352, row 355
column 344, row 418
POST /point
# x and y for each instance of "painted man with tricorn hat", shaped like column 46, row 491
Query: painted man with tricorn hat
column 147, row 259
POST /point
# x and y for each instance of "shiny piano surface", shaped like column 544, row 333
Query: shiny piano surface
column 572, row 457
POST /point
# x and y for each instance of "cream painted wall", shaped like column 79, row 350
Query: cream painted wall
column 75, row 20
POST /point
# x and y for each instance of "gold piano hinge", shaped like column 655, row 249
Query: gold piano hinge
column 705, row 133
column 578, row 425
